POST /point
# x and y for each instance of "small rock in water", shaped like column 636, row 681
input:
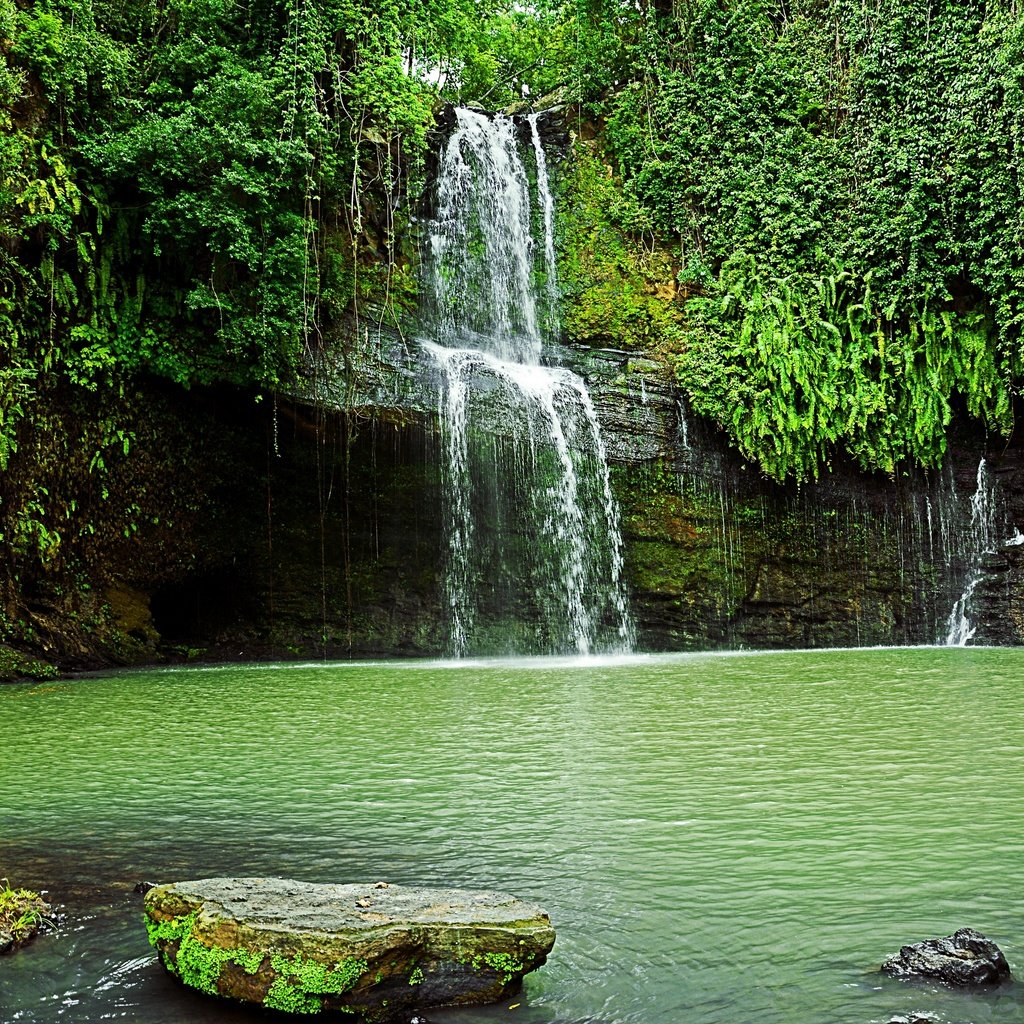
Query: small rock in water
column 962, row 959
column 307, row 948
column 23, row 914
column 913, row 1018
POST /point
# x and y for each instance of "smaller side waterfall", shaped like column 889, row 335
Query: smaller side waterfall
column 547, row 206
column 981, row 539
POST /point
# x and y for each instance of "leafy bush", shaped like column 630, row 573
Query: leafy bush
column 840, row 180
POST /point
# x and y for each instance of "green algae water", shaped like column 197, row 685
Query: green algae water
column 718, row 838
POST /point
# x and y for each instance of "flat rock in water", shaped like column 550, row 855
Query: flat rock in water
column 376, row 950
column 962, row 959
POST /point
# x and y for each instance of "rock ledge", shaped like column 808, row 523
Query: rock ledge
column 377, row 951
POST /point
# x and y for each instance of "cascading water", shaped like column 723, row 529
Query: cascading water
column 981, row 539
column 534, row 549
column 547, row 205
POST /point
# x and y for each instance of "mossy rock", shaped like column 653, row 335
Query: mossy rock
column 374, row 951
column 16, row 666
column 22, row 914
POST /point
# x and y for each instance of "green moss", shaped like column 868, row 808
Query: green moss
column 298, row 988
column 283, row 995
column 416, row 978
column 22, row 912
column 15, row 665
column 199, row 965
column 619, row 285
column 301, row 982
column 249, row 960
column 172, row 930
column 196, row 964
column 504, row 964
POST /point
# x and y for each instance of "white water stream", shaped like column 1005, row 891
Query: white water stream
column 534, row 549
column 981, row 538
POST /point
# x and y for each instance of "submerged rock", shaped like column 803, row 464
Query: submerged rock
column 962, row 959
column 376, row 950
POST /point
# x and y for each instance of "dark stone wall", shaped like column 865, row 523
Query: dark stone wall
column 334, row 550
column 280, row 530
column 345, row 537
column 719, row 556
column 999, row 597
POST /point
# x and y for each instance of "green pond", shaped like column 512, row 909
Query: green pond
column 719, row 839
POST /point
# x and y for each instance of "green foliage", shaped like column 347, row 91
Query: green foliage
column 841, row 181
column 808, row 364
column 197, row 167
column 196, row 964
column 300, row 983
column 504, row 964
column 202, row 191
column 510, row 47
column 196, row 189
column 15, row 665
column 615, row 277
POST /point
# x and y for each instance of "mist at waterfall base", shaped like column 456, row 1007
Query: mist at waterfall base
column 717, row 837
column 534, row 559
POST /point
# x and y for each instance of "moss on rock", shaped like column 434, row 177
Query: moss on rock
column 377, row 952
column 22, row 914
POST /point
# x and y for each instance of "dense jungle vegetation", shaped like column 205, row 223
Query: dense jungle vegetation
column 812, row 207
column 842, row 179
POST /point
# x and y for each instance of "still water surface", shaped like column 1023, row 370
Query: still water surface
column 720, row 839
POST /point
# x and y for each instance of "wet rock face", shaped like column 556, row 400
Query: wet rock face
column 963, row 959
column 378, row 951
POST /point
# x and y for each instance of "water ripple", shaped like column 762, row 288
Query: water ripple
column 717, row 838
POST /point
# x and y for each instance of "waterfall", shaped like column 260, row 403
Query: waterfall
column 547, row 206
column 534, row 549
column 480, row 264
column 981, row 539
